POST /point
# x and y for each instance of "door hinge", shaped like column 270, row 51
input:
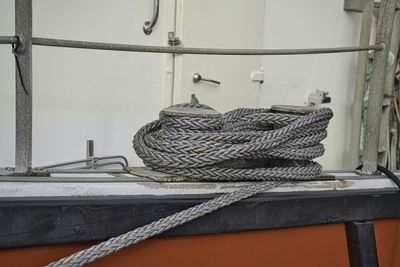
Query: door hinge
column 173, row 40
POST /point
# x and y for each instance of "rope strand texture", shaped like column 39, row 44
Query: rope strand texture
column 115, row 244
column 243, row 144
column 235, row 146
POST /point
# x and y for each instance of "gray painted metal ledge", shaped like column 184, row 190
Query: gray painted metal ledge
column 125, row 184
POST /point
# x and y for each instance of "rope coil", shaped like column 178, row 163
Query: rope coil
column 194, row 140
column 244, row 144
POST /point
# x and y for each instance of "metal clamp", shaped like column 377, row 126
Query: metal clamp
column 149, row 25
column 19, row 47
column 197, row 78
column 173, row 40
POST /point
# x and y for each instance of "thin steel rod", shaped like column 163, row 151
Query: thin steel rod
column 198, row 51
column 113, row 163
column 8, row 40
column 23, row 54
column 62, row 164
column 97, row 159
column 380, row 61
column 85, row 171
column 124, row 159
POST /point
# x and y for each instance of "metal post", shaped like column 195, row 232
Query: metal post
column 23, row 28
column 361, row 244
column 384, row 33
column 362, row 62
column 385, row 130
column 89, row 151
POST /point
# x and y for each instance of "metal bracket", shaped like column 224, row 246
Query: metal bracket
column 173, row 40
column 93, row 163
column 354, row 5
column 318, row 97
column 20, row 47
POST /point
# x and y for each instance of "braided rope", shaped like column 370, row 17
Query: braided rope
column 211, row 147
column 243, row 144
column 114, row 244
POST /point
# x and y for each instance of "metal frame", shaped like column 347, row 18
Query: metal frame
column 23, row 41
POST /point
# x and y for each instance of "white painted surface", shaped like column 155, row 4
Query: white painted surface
column 84, row 94
column 107, row 96
column 289, row 79
column 87, row 189
column 219, row 24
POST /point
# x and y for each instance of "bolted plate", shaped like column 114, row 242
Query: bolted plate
column 190, row 112
column 303, row 110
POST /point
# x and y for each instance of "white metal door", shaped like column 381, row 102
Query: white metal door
column 219, row 24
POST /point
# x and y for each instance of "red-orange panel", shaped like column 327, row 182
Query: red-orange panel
column 387, row 234
column 322, row 245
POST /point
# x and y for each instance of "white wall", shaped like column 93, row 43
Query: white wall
column 83, row 94
column 289, row 79
column 106, row 96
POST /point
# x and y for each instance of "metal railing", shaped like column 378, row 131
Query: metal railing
column 23, row 41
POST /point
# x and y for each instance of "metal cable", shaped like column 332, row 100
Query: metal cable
column 244, row 144
column 16, row 55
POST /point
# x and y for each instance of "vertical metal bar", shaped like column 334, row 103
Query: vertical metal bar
column 89, row 151
column 361, row 244
column 23, row 28
column 358, row 101
column 384, row 133
column 384, row 33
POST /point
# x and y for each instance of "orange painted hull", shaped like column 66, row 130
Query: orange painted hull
column 311, row 246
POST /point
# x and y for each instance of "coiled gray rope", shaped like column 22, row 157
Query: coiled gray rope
column 207, row 147
column 243, row 144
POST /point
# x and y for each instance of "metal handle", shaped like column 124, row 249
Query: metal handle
column 197, row 78
column 149, row 25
